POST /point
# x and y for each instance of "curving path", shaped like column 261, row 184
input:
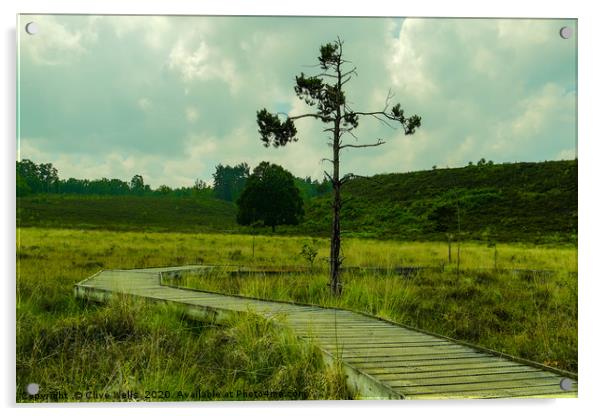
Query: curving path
column 382, row 360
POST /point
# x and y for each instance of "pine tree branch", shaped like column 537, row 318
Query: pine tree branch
column 352, row 71
column 359, row 146
column 378, row 115
column 305, row 115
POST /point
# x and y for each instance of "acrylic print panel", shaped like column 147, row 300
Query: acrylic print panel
column 277, row 208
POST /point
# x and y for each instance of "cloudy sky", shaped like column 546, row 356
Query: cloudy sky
column 171, row 97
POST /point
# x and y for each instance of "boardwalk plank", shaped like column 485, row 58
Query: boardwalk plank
column 387, row 360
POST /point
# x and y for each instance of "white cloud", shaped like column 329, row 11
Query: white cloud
column 199, row 146
column 27, row 150
column 542, row 109
column 522, row 32
column 400, row 153
column 109, row 165
column 566, row 154
column 56, row 42
column 192, row 114
column 197, row 60
column 407, row 66
column 175, row 172
column 153, row 29
column 144, row 103
column 485, row 62
column 493, row 88
column 499, row 89
column 540, row 119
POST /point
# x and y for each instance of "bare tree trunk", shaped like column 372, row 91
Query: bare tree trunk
column 335, row 240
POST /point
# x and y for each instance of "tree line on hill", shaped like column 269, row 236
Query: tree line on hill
column 229, row 182
column 500, row 202
column 44, row 178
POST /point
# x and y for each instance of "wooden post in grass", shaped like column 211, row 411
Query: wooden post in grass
column 458, row 260
column 254, row 226
column 450, row 237
column 492, row 244
column 459, row 231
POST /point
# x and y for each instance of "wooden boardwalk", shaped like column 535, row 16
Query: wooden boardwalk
column 383, row 360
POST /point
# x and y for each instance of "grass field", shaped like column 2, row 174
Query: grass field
column 111, row 351
column 126, row 213
column 514, row 308
column 67, row 345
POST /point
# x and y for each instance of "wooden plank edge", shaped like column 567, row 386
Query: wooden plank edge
column 559, row 371
column 361, row 384
column 467, row 344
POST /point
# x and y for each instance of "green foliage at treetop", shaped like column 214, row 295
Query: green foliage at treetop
column 229, row 181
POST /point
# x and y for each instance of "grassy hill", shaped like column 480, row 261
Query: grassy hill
column 505, row 202
column 149, row 213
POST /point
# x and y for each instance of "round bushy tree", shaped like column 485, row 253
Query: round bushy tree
column 270, row 197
